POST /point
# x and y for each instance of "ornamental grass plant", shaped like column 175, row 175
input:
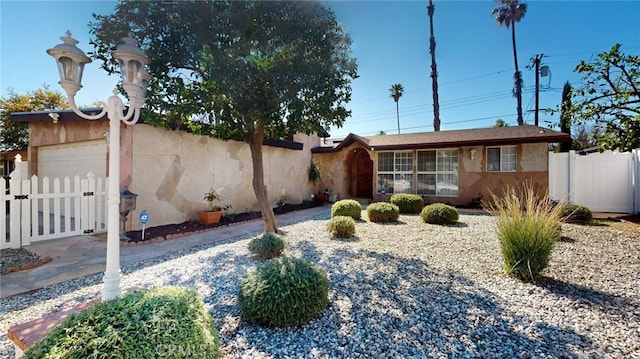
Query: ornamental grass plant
column 528, row 227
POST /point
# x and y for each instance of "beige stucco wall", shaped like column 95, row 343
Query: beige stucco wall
column 535, row 157
column 173, row 169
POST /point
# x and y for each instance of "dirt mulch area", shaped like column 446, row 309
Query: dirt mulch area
column 175, row 230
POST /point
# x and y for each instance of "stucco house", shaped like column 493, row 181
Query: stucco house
column 171, row 170
column 168, row 170
column 447, row 166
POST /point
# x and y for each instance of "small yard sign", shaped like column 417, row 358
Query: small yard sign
column 144, row 219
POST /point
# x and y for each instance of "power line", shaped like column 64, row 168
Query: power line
column 454, row 103
column 447, row 123
column 440, row 85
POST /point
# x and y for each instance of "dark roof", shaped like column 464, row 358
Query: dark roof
column 69, row 115
column 470, row 137
column 65, row 115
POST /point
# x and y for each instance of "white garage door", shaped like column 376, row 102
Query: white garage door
column 80, row 158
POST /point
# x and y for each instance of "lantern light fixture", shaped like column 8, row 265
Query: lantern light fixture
column 132, row 60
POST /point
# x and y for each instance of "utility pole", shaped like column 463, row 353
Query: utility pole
column 434, row 70
column 535, row 63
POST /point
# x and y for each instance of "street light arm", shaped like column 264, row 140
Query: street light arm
column 77, row 111
column 131, row 112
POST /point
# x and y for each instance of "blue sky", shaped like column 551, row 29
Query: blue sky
column 390, row 42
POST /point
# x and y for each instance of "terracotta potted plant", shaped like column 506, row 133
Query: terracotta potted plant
column 315, row 178
column 213, row 213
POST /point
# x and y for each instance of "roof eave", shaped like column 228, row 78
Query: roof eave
column 492, row 142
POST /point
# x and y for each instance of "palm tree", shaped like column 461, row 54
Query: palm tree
column 508, row 14
column 434, row 69
column 396, row 92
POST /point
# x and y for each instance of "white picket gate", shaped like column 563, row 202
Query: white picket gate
column 39, row 209
column 603, row 182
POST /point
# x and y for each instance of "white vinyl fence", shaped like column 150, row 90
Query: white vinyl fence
column 39, row 209
column 602, row 182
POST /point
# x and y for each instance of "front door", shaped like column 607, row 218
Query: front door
column 364, row 175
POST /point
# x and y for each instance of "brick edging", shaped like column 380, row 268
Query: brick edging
column 32, row 265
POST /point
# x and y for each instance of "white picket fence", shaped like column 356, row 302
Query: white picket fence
column 39, row 209
column 603, row 182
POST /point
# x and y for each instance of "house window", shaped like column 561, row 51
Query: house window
column 438, row 172
column 501, row 159
column 395, row 172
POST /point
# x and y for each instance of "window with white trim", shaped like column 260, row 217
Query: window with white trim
column 395, row 172
column 438, row 172
column 502, row 159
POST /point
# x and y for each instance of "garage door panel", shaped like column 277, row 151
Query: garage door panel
column 68, row 160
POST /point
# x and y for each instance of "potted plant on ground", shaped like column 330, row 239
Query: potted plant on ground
column 315, row 178
column 213, row 213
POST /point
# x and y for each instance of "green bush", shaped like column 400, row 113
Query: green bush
column 342, row 227
column 439, row 213
column 383, row 212
column 266, row 246
column 528, row 228
column 284, row 292
column 347, row 207
column 573, row 213
column 407, row 203
column 166, row 322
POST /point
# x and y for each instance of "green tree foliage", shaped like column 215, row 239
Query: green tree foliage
column 501, row 123
column 565, row 115
column 14, row 136
column 508, row 13
column 609, row 96
column 249, row 68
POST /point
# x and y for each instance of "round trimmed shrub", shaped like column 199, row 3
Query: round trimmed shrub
column 347, row 207
column 165, row 322
column 383, row 212
column 439, row 213
column 574, row 213
column 407, row 203
column 284, row 292
column 342, row 227
column 266, row 246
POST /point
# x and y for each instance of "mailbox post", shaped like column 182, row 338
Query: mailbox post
column 127, row 204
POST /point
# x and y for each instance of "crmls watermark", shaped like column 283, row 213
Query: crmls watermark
column 181, row 350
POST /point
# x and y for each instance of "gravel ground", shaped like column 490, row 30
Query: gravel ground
column 408, row 290
column 10, row 258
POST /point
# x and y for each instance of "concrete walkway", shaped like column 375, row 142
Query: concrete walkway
column 79, row 256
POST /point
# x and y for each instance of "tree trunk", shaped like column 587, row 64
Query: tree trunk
column 255, row 145
column 517, row 76
column 434, row 70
